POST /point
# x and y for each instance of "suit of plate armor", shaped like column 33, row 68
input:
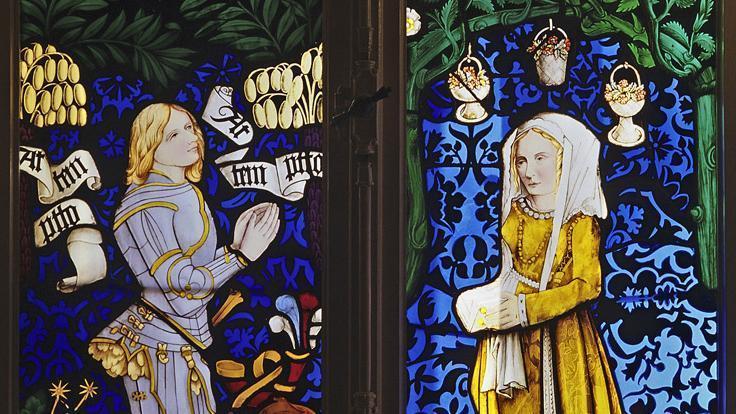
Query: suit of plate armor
column 166, row 233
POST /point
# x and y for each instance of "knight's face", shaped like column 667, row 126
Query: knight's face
column 536, row 164
column 179, row 145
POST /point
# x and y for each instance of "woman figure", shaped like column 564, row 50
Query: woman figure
column 167, row 235
column 541, row 351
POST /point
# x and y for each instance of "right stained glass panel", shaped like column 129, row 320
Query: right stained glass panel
column 563, row 178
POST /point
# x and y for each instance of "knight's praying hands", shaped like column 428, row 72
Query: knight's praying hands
column 255, row 230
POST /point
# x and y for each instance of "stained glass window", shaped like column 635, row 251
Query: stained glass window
column 170, row 206
column 589, row 124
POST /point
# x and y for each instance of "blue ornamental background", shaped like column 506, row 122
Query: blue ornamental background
column 55, row 328
column 657, row 322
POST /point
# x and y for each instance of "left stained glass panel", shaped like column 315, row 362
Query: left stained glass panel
column 170, row 159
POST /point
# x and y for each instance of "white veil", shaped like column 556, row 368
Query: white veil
column 579, row 191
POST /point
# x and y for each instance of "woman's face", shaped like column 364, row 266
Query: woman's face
column 536, row 164
column 179, row 145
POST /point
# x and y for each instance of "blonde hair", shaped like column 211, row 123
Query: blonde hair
column 544, row 134
column 146, row 135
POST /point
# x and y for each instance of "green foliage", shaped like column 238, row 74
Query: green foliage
column 642, row 55
column 704, row 12
column 448, row 14
column 706, row 43
column 627, row 6
column 683, row 4
column 35, row 404
column 110, row 37
column 482, row 5
column 265, row 29
column 676, row 31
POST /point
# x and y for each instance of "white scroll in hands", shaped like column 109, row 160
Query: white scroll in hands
column 487, row 307
column 255, row 230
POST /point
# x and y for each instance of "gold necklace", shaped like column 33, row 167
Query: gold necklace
column 520, row 245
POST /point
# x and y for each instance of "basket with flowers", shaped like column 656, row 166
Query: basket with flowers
column 469, row 84
column 550, row 53
column 626, row 99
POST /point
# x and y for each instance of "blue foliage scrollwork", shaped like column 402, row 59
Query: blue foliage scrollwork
column 657, row 323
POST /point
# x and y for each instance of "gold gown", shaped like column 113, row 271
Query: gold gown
column 583, row 380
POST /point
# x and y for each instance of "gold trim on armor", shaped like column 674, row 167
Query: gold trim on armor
column 166, row 256
column 205, row 223
column 116, row 358
column 142, row 207
column 140, row 187
column 161, row 353
column 152, row 388
column 182, row 293
column 175, row 324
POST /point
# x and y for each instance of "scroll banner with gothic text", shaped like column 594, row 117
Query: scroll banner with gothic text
column 59, row 181
column 54, row 183
column 221, row 114
column 286, row 177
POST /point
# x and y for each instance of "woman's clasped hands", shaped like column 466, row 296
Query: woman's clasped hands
column 501, row 312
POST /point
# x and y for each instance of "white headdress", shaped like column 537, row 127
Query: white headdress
column 579, row 189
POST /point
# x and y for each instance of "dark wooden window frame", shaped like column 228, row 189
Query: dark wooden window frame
column 363, row 286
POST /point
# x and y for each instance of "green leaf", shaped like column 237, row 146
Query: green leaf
column 163, row 40
column 188, row 5
column 115, row 27
column 627, row 6
column 677, row 32
column 704, row 12
column 68, row 22
column 295, row 39
column 60, row 6
column 30, row 8
column 226, row 37
column 684, row 3
column 238, row 26
column 231, row 13
column 286, row 19
column 149, row 33
column 295, row 7
column 207, row 28
column 482, row 5
column 138, row 24
column 706, row 43
column 317, row 28
column 448, row 13
column 595, row 27
column 259, row 56
column 90, row 5
column 205, row 12
column 269, row 11
column 30, row 30
column 98, row 57
column 117, row 54
column 643, row 55
column 636, row 23
column 94, row 27
column 70, row 36
column 250, row 43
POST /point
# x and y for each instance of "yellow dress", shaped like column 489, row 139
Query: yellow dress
column 583, row 380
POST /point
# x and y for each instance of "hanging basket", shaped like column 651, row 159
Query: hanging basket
column 626, row 98
column 469, row 84
column 550, row 54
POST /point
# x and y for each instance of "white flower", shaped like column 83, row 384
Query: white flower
column 413, row 22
